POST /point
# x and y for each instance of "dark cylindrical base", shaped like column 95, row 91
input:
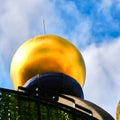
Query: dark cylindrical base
column 56, row 82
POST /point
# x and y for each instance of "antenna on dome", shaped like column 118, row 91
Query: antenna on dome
column 43, row 24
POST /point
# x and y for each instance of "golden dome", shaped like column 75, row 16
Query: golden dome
column 46, row 53
column 118, row 111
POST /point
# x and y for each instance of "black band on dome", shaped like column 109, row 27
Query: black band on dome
column 56, row 82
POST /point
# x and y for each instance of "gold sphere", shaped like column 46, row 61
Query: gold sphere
column 46, row 53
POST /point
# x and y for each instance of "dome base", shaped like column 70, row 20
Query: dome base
column 55, row 82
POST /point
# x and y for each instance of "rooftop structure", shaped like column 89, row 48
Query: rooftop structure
column 48, row 73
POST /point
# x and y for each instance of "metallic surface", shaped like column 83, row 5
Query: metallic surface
column 90, row 108
column 15, row 105
column 118, row 111
column 57, row 82
column 47, row 53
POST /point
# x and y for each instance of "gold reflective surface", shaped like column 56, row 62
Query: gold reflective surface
column 118, row 111
column 47, row 53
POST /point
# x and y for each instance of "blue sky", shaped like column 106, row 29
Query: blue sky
column 92, row 26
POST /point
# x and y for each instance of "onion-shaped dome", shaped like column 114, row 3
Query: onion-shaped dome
column 43, row 54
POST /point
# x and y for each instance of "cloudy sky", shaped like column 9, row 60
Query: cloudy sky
column 93, row 26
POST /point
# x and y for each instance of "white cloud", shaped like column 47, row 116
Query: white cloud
column 108, row 8
column 102, row 82
column 81, row 35
column 80, row 32
column 106, row 4
column 20, row 20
